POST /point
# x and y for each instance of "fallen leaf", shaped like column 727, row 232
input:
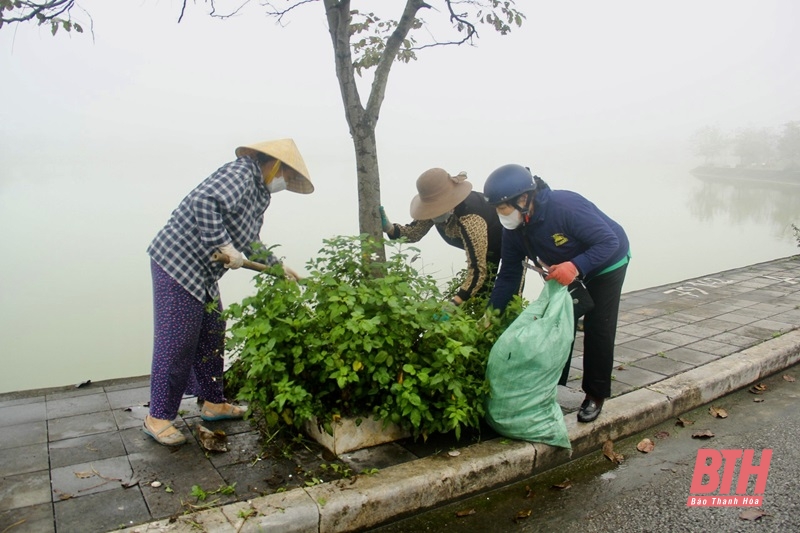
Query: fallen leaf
column 465, row 512
column 717, row 412
column 621, row 367
column 704, row 434
column 610, row 454
column 683, row 422
column 521, row 515
column 84, row 475
column 132, row 482
column 758, row 400
column 790, row 379
column 214, row 441
column 758, row 389
column 751, row 514
column 528, row 492
column 566, row 484
column 646, row 446
column 662, row 435
column 63, row 495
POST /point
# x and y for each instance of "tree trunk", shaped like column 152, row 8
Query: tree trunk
column 369, row 182
column 362, row 120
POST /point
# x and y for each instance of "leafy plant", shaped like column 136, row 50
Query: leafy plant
column 199, row 493
column 227, row 489
column 338, row 469
column 359, row 337
column 247, row 513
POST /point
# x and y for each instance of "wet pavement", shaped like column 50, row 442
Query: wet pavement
column 75, row 459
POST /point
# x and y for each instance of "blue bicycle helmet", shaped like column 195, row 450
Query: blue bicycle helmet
column 508, row 182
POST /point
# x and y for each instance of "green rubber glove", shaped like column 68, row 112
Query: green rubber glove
column 387, row 226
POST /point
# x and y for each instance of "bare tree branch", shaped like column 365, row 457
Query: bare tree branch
column 280, row 13
column 393, row 43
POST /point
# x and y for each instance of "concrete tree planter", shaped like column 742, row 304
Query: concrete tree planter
column 348, row 435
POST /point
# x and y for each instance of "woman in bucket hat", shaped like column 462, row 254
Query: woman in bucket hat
column 223, row 213
column 463, row 219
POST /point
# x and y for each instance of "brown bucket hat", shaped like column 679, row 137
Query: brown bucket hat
column 439, row 192
column 285, row 151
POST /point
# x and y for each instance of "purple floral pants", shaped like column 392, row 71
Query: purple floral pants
column 188, row 339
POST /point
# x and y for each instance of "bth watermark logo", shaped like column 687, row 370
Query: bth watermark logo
column 715, row 477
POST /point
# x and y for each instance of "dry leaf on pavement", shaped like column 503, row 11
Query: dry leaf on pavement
column 683, row 422
column 465, row 512
column 751, row 514
column 704, row 434
column 523, row 514
column 758, row 389
column 662, row 435
column 790, row 379
column 566, row 484
column 717, row 412
column 213, row 441
column 611, row 455
column 646, row 446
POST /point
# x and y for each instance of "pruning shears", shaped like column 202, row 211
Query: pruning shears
column 543, row 270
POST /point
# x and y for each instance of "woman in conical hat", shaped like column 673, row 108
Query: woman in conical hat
column 223, row 213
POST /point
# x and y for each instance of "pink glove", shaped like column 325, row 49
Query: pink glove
column 564, row 273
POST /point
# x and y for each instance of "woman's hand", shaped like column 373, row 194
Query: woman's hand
column 564, row 273
column 235, row 257
column 291, row 274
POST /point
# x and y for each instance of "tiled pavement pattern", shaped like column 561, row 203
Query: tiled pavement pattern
column 75, row 460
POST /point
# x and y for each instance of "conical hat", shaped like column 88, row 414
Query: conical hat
column 285, row 151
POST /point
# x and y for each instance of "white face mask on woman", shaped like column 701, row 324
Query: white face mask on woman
column 277, row 184
column 511, row 221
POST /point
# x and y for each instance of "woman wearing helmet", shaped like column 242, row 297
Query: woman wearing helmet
column 223, row 213
column 463, row 219
column 572, row 239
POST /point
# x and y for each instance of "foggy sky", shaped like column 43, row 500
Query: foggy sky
column 101, row 135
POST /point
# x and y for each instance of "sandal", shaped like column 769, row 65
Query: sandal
column 175, row 438
column 221, row 411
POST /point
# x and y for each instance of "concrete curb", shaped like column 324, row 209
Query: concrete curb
column 366, row 501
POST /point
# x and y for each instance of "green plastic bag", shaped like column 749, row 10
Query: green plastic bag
column 524, row 367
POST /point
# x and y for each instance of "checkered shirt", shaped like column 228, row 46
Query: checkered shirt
column 227, row 207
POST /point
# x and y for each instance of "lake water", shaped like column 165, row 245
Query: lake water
column 76, row 283
column 102, row 135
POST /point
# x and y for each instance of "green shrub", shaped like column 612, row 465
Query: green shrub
column 359, row 338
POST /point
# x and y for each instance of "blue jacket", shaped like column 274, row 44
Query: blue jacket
column 564, row 226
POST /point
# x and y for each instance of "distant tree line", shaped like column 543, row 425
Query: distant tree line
column 750, row 147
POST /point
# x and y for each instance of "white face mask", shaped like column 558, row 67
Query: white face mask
column 277, row 184
column 511, row 221
column 442, row 218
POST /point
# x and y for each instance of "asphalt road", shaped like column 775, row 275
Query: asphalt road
column 649, row 491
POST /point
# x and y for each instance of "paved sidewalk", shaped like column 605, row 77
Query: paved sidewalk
column 75, row 460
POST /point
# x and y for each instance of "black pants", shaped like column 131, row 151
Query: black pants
column 599, row 334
